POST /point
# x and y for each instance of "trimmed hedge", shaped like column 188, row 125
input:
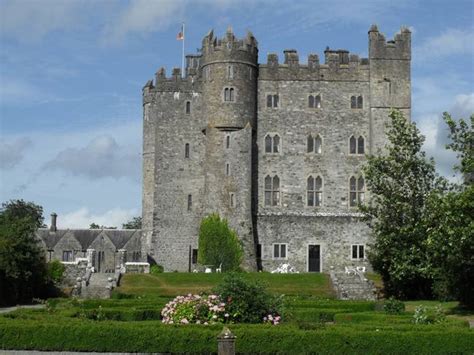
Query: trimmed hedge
column 152, row 336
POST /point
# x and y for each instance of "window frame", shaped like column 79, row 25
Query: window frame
column 356, row 142
column 187, row 151
column 69, row 255
column 274, row 99
column 357, row 102
column 229, row 94
column 190, row 202
column 360, row 194
column 314, row 191
column 315, row 101
column 358, row 248
column 187, row 107
column 274, row 193
column 271, row 136
column 279, row 246
column 313, row 138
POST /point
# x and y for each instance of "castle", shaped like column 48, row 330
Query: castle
column 275, row 148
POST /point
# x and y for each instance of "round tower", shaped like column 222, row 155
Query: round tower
column 229, row 97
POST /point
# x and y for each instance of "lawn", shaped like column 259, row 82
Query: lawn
column 313, row 322
column 173, row 284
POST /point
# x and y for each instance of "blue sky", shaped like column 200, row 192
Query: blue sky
column 71, row 74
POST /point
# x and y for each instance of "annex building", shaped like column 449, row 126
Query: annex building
column 275, row 147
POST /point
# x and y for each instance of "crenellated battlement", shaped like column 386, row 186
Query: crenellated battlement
column 339, row 65
column 398, row 48
column 175, row 82
column 229, row 48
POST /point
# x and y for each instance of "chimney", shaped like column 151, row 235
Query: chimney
column 53, row 227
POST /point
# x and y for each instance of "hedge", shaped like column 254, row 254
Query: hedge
column 152, row 336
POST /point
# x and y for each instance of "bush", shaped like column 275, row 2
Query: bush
column 393, row 306
column 218, row 244
column 246, row 301
column 428, row 315
column 156, row 269
column 55, row 271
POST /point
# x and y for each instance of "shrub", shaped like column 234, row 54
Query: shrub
column 393, row 306
column 218, row 244
column 247, row 301
column 156, row 269
column 55, row 271
column 428, row 315
column 195, row 309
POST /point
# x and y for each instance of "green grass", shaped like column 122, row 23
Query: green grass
column 173, row 284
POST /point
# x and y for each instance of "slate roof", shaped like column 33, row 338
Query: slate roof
column 85, row 237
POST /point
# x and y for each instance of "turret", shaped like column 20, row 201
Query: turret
column 229, row 79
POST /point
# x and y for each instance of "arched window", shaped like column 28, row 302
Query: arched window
column 360, row 145
column 186, row 150
column 229, row 94
column 352, row 145
column 360, row 102
column 276, row 143
column 318, row 144
column 272, row 144
column 311, row 101
column 272, row 190
column 315, row 191
column 188, row 107
column 356, row 191
column 353, row 102
column 317, row 101
column 310, row 144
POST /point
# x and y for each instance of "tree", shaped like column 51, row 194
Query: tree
column 450, row 227
column 96, row 226
column 400, row 182
column 135, row 223
column 218, row 244
column 23, row 271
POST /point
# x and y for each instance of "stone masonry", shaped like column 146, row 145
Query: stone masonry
column 248, row 140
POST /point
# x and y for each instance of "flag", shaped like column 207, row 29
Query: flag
column 180, row 35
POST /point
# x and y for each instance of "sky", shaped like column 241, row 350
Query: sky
column 72, row 71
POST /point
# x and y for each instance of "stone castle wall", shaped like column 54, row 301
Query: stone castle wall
column 170, row 228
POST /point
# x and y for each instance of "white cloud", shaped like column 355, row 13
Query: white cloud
column 31, row 20
column 449, row 43
column 143, row 16
column 83, row 217
column 102, row 157
column 12, row 153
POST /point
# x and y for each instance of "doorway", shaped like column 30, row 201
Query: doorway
column 314, row 258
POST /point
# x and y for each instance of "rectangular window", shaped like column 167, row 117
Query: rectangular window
column 358, row 251
column 194, row 259
column 279, row 251
column 67, row 255
column 190, row 202
column 272, row 101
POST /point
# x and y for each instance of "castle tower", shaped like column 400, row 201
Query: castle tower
column 229, row 99
column 390, row 81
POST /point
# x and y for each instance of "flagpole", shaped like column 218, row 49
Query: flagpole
column 182, row 62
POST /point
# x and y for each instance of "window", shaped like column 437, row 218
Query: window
column 357, row 102
column 314, row 101
column 230, row 72
column 358, row 251
column 356, row 146
column 356, row 191
column 194, row 258
column 186, row 150
column 190, row 202
column 272, row 101
column 315, row 191
column 227, row 141
column 188, row 107
column 229, row 95
column 232, row 199
column 67, row 255
column 227, row 169
column 250, row 73
column 279, row 251
column 207, row 73
column 272, row 144
column 314, row 144
column 272, row 190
